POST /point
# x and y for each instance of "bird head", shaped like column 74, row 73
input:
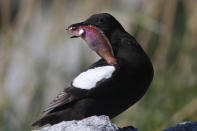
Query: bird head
column 104, row 21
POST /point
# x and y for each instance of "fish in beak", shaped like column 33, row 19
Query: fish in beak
column 75, row 31
column 96, row 40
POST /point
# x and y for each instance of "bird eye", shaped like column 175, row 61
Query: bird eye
column 100, row 20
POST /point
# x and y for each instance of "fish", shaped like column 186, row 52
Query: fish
column 96, row 40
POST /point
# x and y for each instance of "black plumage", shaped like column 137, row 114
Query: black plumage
column 126, row 86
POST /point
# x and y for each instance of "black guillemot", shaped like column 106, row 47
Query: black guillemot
column 109, row 86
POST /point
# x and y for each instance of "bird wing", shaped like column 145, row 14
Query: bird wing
column 69, row 95
column 73, row 94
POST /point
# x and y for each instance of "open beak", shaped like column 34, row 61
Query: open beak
column 68, row 30
column 75, row 30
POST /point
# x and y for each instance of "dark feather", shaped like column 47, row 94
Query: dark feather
column 70, row 94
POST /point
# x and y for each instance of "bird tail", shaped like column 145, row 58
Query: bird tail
column 38, row 123
column 47, row 119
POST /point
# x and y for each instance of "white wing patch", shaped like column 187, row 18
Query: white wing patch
column 89, row 78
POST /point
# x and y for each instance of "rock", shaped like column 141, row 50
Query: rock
column 93, row 123
column 103, row 123
column 186, row 126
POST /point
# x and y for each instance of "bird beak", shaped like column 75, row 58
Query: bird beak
column 74, row 36
column 75, row 30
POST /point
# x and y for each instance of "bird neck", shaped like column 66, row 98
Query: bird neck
column 115, row 39
column 116, row 35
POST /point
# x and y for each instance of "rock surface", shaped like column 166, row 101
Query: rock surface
column 94, row 123
column 186, row 126
column 103, row 123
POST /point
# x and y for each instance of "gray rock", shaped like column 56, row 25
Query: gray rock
column 94, row 123
column 186, row 126
column 103, row 123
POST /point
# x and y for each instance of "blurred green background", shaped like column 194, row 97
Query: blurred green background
column 37, row 58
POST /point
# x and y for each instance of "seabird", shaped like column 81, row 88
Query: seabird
column 109, row 86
